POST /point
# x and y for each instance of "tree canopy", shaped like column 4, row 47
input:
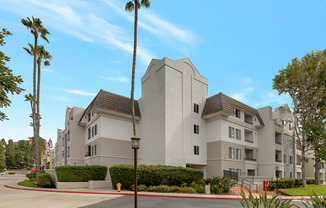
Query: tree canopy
column 8, row 82
column 304, row 80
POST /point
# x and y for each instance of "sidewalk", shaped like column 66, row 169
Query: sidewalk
column 130, row 193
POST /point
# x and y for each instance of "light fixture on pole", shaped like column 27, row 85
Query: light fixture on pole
column 135, row 144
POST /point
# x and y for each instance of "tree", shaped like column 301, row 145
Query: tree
column 130, row 6
column 8, row 82
column 2, row 157
column 304, row 81
column 35, row 26
column 10, row 154
column 27, row 152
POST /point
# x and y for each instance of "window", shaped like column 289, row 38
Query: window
column 231, row 153
column 238, row 134
column 196, row 108
column 232, row 169
column 95, row 128
column 231, row 132
column 285, row 159
column 92, row 150
column 237, row 113
column 68, row 151
column 95, row 149
column 291, row 160
column 89, row 150
column 93, row 131
column 89, row 132
column 238, row 154
column 196, row 150
column 196, row 129
column 239, row 172
column 89, row 116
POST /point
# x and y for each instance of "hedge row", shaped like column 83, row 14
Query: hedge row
column 285, row 183
column 82, row 173
column 153, row 175
column 44, row 180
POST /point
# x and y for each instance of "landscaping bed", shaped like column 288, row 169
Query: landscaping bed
column 28, row 183
column 301, row 191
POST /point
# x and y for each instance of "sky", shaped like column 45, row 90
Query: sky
column 239, row 46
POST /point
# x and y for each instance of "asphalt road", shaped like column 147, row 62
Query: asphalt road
column 20, row 198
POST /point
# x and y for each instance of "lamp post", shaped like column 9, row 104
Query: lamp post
column 135, row 144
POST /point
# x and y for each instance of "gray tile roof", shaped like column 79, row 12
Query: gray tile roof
column 226, row 104
column 114, row 102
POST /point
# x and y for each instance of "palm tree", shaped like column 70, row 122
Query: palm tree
column 130, row 6
column 35, row 26
column 42, row 55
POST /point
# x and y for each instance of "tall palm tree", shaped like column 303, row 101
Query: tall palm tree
column 35, row 26
column 130, row 6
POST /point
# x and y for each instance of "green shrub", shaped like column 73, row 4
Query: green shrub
column 183, row 184
column 47, row 165
column 162, row 189
column 283, row 183
column 199, row 186
column 298, row 182
column 153, row 175
column 176, row 189
column 33, row 175
column 82, row 173
column 187, row 190
column 44, row 180
column 220, row 184
column 140, row 187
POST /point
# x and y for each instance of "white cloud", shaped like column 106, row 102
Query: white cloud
column 269, row 97
column 119, row 79
column 63, row 16
column 79, row 92
column 47, row 70
column 239, row 96
column 170, row 33
column 61, row 98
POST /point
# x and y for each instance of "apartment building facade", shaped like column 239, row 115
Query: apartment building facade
column 180, row 125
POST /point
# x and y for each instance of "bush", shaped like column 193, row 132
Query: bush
column 139, row 188
column 47, row 165
column 44, row 180
column 153, row 175
column 187, row 190
column 33, row 175
column 176, row 189
column 283, row 183
column 82, row 173
column 220, row 184
column 162, row 189
column 199, row 186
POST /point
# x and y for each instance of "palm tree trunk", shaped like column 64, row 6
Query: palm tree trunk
column 35, row 123
column 133, row 69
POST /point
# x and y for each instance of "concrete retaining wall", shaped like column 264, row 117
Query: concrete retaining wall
column 72, row 185
column 100, row 184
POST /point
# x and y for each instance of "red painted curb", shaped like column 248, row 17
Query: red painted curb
column 122, row 194
column 139, row 194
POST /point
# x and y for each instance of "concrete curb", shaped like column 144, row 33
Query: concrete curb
column 143, row 194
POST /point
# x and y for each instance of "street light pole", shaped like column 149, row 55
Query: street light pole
column 135, row 144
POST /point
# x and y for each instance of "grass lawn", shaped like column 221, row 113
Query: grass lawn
column 29, row 183
column 300, row 191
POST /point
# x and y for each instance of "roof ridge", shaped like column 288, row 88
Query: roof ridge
column 115, row 94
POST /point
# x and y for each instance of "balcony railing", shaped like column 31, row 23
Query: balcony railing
column 278, row 161
column 249, row 122
column 88, row 155
column 249, row 158
column 249, row 140
column 278, row 142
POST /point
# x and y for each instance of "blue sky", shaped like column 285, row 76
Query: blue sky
column 238, row 45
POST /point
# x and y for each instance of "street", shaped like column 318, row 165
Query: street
column 22, row 198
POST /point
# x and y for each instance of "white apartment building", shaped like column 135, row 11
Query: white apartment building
column 179, row 126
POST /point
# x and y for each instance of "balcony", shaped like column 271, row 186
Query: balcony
column 278, row 156
column 250, row 159
column 249, row 136
column 278, row 138
column 249, row 119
